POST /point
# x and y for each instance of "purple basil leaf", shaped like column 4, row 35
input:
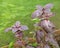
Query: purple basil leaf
column 23, row 27
column 8, row 29
column 36, row 14
column 48, row 6
column 14, row 30
column 17, row 24
column 38, row 7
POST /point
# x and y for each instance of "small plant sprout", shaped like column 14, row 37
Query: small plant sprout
column 17, row 28
column 43, row 12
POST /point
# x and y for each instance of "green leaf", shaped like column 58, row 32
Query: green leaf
column 11, row 44
column 36, row 20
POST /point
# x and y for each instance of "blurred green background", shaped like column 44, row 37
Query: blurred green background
column 14, row 10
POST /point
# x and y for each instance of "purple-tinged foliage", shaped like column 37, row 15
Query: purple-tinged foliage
column 38, row 47
column 29, row 46
column 19, row 44
column 19, row 34
column 43, row 12
column 40, row 36
column 50, row 39
column 47, row 25
column 17, row 26
column 47, row 46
